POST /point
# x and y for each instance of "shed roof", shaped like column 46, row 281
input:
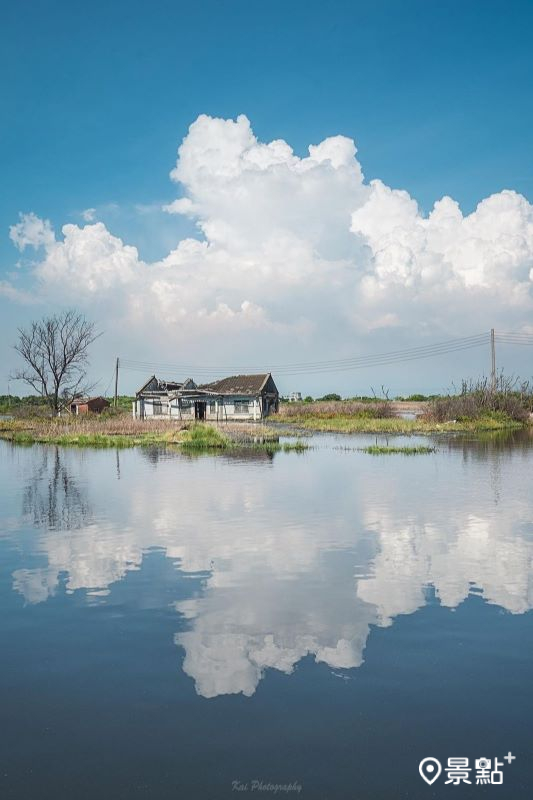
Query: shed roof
column 81, row 401
column 238, row 384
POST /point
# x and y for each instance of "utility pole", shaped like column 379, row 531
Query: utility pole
column 116, row 383
column 493, row 359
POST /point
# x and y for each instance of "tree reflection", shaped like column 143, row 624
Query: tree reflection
column 52, row 497
column 489, row 444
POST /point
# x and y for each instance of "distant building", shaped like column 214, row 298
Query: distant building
column 239, row 397
column 84, row 405
column 295, row 397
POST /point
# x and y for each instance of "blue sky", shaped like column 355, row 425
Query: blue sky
column 96, row 99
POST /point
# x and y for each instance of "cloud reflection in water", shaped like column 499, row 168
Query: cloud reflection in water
column 302, row 555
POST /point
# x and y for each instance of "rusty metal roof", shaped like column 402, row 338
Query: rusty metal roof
column 81, row 401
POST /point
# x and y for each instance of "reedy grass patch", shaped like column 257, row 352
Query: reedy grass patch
column 384, row 450
column 203, row 437
column 354, row 424
column 332, row 409
column 113, row 432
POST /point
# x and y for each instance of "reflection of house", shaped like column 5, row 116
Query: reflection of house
column 240, row 397
column 84, row 405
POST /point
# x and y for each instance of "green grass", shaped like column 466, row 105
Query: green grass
column 203, row 437
column 295, row 447
column 383, row 450
column 195, row 438
column 363, row 424
column 79, row 440
column 123, row 431
column 286, row 447
column 199, row 437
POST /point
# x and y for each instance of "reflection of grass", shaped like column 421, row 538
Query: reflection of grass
column 298, row 446
column 286, row 447
column 381, row 450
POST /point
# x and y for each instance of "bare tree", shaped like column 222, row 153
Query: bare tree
column 54, row 350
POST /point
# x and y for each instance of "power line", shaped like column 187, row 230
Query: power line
column 109, row 383
column 466, row 341
column 515, row 338
column 316, row 367
column 348, row 362
column 450, row 343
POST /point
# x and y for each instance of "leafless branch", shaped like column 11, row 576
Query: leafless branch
column 54, row 351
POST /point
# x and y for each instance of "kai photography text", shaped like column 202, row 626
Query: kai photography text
column 486, row 770
column 268, row 787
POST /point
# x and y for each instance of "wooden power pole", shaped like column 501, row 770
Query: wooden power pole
column 493, row 359
column 116, row 383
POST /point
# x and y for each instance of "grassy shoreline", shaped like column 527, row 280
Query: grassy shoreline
column 123, row 431
column 188, row 437
column 363, row 424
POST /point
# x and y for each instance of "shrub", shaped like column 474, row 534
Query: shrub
column 509, row 399
column 332, row 396
column 203, row 437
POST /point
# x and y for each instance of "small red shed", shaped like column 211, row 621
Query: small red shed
column 84, row 405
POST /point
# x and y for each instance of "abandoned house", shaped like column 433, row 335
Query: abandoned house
column 86, row 405
column 240, row 397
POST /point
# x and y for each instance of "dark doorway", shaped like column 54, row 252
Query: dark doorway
column 199, row 410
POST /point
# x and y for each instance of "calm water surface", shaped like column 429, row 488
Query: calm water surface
column 177, row 627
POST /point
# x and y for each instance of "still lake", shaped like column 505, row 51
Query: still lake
column 182, row 627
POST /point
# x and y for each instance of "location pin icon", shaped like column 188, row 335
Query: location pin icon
column 430, row 769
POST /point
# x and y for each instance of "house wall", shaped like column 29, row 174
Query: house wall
column 231, row 408
column 234, row 408
column 160, row 408
column 96, row 406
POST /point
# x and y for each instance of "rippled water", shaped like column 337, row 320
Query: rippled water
column 180, row 627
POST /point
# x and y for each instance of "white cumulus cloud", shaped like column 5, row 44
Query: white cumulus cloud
column 90, row 257
column 31, row 231
column 297, row 245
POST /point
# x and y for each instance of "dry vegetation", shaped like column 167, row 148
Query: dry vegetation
column 329, row 409
column 124, row 431
column 476, row 407
column 510, row 399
